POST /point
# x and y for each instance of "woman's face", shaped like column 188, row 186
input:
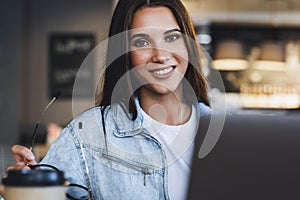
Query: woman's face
column 158, row 51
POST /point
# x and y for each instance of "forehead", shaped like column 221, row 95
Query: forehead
column 154, row 17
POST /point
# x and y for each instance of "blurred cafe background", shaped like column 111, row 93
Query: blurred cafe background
column 253, row 44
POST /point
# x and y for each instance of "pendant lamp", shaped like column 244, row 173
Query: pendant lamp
column 230, row 56
column 271, row 57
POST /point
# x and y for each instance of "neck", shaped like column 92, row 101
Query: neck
column 169, row 108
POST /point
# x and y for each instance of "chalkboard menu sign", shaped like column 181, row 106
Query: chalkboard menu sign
column 66, row 54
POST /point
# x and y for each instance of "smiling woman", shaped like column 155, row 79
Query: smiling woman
column 160, row 55
column 138, row 145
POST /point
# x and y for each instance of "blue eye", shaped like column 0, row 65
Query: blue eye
column 173, row 37
column 141, row 43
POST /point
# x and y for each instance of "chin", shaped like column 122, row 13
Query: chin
column 161, row 90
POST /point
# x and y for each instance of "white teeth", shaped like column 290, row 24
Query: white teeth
column 163, row 71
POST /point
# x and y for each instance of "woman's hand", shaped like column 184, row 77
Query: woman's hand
column 23, row 157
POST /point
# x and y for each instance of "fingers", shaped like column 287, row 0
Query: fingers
column 17, row 167
column 23, row 155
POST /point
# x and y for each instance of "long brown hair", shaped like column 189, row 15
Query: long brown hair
column 122, row 21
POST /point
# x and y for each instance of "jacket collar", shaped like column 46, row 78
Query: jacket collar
column 125, row 126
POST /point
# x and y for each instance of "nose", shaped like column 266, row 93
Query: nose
column 160, row 56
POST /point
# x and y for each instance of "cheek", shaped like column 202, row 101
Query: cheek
column 183, row 53
column 139, row 57
column 182, row 57
column 179, row 49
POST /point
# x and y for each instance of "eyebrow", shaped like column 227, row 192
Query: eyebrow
column 139, row 35
column 172, row 30
column 147, row 35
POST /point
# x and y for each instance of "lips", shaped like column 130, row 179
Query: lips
column 163, row 71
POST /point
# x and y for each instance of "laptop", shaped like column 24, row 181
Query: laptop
column 256, row 157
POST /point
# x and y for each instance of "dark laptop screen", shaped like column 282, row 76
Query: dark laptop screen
column 256, row 157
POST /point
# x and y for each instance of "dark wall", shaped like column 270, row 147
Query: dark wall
column 25, row 27
column 11, row 44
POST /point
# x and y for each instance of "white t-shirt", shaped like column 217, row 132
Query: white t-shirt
column 178, row 143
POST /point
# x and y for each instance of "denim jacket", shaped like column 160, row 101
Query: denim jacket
column 124, row 162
